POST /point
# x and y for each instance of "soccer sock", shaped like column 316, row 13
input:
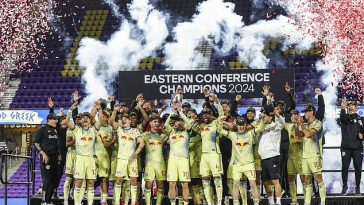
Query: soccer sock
column 293, row 191
column 185, row 202
column 173, row 201
column 117, row 193
column 83, row 189
column 90, row 195
column 104, row 197
column 202, row 194
column 235, row 202
column 196, row 195
column 271, row 200
column 159, row 196
column 77, row 195
column 147, row 195
column 66, row 189
column 243, row 193
column 218, row 187
column 126, row 192
column 278, row 200
column 207, row 191
column 322, row 191
column 308, row 194
column 256, row 201
column 133, row 190
column 230, row 186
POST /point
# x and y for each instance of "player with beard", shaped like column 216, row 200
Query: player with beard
column 178, row 162
column 195, row 152
column 211, row 157
column 127, row 165
column 155, row 165
column 85, row 161
column 243, row 161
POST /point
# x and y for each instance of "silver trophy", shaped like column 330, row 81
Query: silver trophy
column 177, row 97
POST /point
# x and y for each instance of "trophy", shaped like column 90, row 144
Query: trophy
column 177, row 97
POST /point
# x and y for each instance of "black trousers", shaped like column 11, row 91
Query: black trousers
column 60, row 172
column 346, row 156
column 283, row 171
column 49, row 174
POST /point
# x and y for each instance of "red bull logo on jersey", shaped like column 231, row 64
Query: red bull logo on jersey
column 103, row 135
column 155, row 142
column 127, row 138
column 206, row 129
column 177, row 137
column 241, row 143
column 86, row 139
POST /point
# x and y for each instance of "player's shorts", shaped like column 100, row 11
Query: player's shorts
column 103, row 163
column 257, row 161
column 85, row 167
column 70, row 162
column 210, row 165
column 312, row 165
column 114, row 161
column 178, row 170
column 229, row 173
column 242, row 171
column 270, row 168
column 126, row 168
column 155, row 170
column 294, row 166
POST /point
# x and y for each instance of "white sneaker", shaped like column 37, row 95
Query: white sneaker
column 227, row 202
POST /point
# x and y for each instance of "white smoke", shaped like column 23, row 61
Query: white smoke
column 253, row 38
column 114, row 8
column 123, row 51
column 214, row 19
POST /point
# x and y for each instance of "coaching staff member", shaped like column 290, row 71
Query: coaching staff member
column 46, row 142
column 351, row 143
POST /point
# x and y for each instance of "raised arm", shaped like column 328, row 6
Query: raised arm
column 98, row 123
column 112, row 118
column 95, row 108
column 70, row 125
column 320, row 114
column 142, row 111
column 343, row 115
column 289, row 100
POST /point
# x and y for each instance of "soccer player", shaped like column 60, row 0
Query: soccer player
column 178, row 162
column 294, row 163
column 351, row 143
column 269, row 150
column 243, row 161
column 85, row 161
column 155, row 166
column 127, row 165
column 311, row 157
column 211, row 158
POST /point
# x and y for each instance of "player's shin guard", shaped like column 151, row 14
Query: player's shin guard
column 117, row 193
column 77, row 195
column 207, row 191
column 134, row 192
column 104, row 197
column 235, row 202
column 147, row 195
column 90, row 195
column 322, row 191
column 159, row 196
column 308, row 194
column 218, row 187
column 243, row 193
column 293, row 191
column 66, row 189
column 173, row 201
column 126, row 192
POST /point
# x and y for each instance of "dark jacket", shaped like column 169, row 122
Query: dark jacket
column 46, row 139
column 62, row 136
column 351, row 126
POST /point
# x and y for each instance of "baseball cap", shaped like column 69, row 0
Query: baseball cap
column 267, row 109
column 51, row 116
column 241, row 121
column 186, row 105
column 226, row 103
column 191, row 110
column 133, row 114
column 309, row 107
column 122, row 104
column 250, row 109
column 86, row 114
column 175, row 117
column 279, row 103
column 294, row 112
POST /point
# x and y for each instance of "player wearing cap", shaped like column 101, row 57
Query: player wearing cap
column 46, row 142
column 211, row 158
column 243, row 161
column 155, row 166
column 178, row 162
column 294, row 163
column 311, row 156
column 127, row 165
column 85, row 161
column 351, row 143
column 269, row 150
